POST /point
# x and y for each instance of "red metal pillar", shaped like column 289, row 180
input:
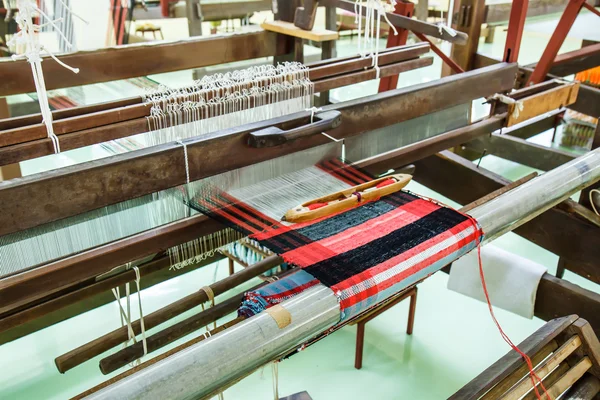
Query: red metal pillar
column 406, row 9
column 518, row 13
column 558, row 37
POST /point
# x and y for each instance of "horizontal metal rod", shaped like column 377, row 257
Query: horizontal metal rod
column 222, row 360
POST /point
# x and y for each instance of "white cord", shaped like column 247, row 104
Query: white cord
column 187, row 166
column 275, row 371
column 313, row 110
column 142, row 325
column 592, row 200
column 519, row 106
column 28, row 36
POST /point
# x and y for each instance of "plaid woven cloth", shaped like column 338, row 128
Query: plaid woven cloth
column 365, row 254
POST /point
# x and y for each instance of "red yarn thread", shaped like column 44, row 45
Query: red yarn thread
column 532, row 373
column 385, row 183
column 314, row 206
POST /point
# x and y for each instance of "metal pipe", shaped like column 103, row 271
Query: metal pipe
column 204, row 369
column 522, row 204
column 212, row 365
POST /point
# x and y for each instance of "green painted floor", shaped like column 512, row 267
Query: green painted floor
column 454, row 337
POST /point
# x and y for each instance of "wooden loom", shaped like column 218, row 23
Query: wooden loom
column 63, row 288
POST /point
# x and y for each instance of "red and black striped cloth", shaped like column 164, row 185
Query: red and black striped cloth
column 365, row 254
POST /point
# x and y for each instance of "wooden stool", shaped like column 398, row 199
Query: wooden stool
column 361, row 322
column 148, row 27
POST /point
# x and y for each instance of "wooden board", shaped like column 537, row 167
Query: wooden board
column 32, row 200
column 542, row 103
column 288, row 28
column 136, row 60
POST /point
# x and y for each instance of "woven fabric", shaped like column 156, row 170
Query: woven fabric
column 365, row 254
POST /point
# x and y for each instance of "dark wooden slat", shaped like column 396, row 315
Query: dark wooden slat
column 556, row 297
column 537, row 125
column 584, row 389
column 139, row 60
column 498, row 13
column 574, row 61
column 127, row 121
column 134, row 109
column 511, row 361
column 16, row 122
column 87, row 298
column 33, row 200
column 521, row 151
column 554, row 230
column 89, row 350
column 20, row 290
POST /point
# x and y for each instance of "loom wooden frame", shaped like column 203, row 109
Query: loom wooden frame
column 20, row 143
column 154, row 169
column 544, row 229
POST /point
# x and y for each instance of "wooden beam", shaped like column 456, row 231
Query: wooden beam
column 470, row 16
column 139, row 60
column 24, row 289
column 556, row 297
column 521, row 151
column 576, row 61
column 87, row 298
column 555, row 230
column 32, row 200
column 288, row 28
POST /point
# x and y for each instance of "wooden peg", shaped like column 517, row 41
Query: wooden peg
column 304, row 18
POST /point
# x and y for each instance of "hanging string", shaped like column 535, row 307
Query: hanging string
column 592, row 200
column 28, row 36
column 532, row 374
column 275, row 371
column 142, row 325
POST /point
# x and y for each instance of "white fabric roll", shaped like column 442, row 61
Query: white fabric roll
column 511, row 280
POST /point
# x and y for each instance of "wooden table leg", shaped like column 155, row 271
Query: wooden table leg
column 231, row 269
column 360, row 339
column 411, row 312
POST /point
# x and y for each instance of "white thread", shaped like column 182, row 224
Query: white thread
column 28, row 36
column 519, row 106
column 592, row 200
column 313, row 110
column 187, row 166
column 142, row 325
column 275, row 371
